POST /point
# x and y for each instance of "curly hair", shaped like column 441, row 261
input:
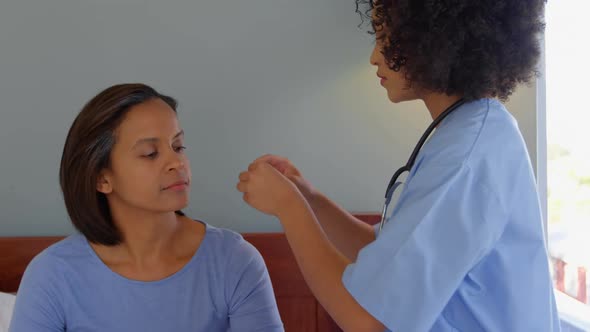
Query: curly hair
column 476, row 48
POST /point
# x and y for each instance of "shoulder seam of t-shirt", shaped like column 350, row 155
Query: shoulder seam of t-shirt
column 54, row 250
column 56, row 288
column 479, row 132
column 468, row 159
column 230, row 254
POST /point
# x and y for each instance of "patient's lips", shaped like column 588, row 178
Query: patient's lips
column 177, row 186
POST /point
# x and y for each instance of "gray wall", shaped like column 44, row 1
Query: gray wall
column 252, row 77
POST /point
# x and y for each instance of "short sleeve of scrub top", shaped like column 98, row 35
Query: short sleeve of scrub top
column 405, row 277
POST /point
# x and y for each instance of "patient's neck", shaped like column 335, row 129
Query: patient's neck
column 147, row 236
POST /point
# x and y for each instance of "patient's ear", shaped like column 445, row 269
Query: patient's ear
column 103, row 183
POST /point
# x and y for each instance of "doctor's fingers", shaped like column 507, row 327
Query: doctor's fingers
column 246, row 198
column 252, row 167
column 274, row 160
column 268, row 158
column 282, row 164
column 242, row 187
column 244, row 176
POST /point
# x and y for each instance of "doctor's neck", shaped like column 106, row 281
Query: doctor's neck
column 437, row 103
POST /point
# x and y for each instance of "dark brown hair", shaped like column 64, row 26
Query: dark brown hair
column 476, row 48
column 87, row 152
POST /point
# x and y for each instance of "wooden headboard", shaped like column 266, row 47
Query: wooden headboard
column 299, row 309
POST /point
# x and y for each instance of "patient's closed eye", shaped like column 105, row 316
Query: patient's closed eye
column 151, row 155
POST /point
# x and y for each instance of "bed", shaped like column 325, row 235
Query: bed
column 299, row 310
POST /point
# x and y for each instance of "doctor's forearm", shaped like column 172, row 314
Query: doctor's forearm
column 322, row 266
column 345, row 231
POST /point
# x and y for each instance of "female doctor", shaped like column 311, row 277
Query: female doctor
column 462, row 248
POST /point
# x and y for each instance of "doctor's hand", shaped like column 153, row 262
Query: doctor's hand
column 286, row 167
column 267, row 190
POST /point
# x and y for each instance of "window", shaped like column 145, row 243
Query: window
column 567, row 66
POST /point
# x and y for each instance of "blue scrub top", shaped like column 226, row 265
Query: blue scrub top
column 464, row 249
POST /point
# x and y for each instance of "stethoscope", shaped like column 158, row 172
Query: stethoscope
column 393, row 183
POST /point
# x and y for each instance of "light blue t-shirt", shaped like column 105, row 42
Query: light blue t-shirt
column 464, row 249
column 224, row 287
